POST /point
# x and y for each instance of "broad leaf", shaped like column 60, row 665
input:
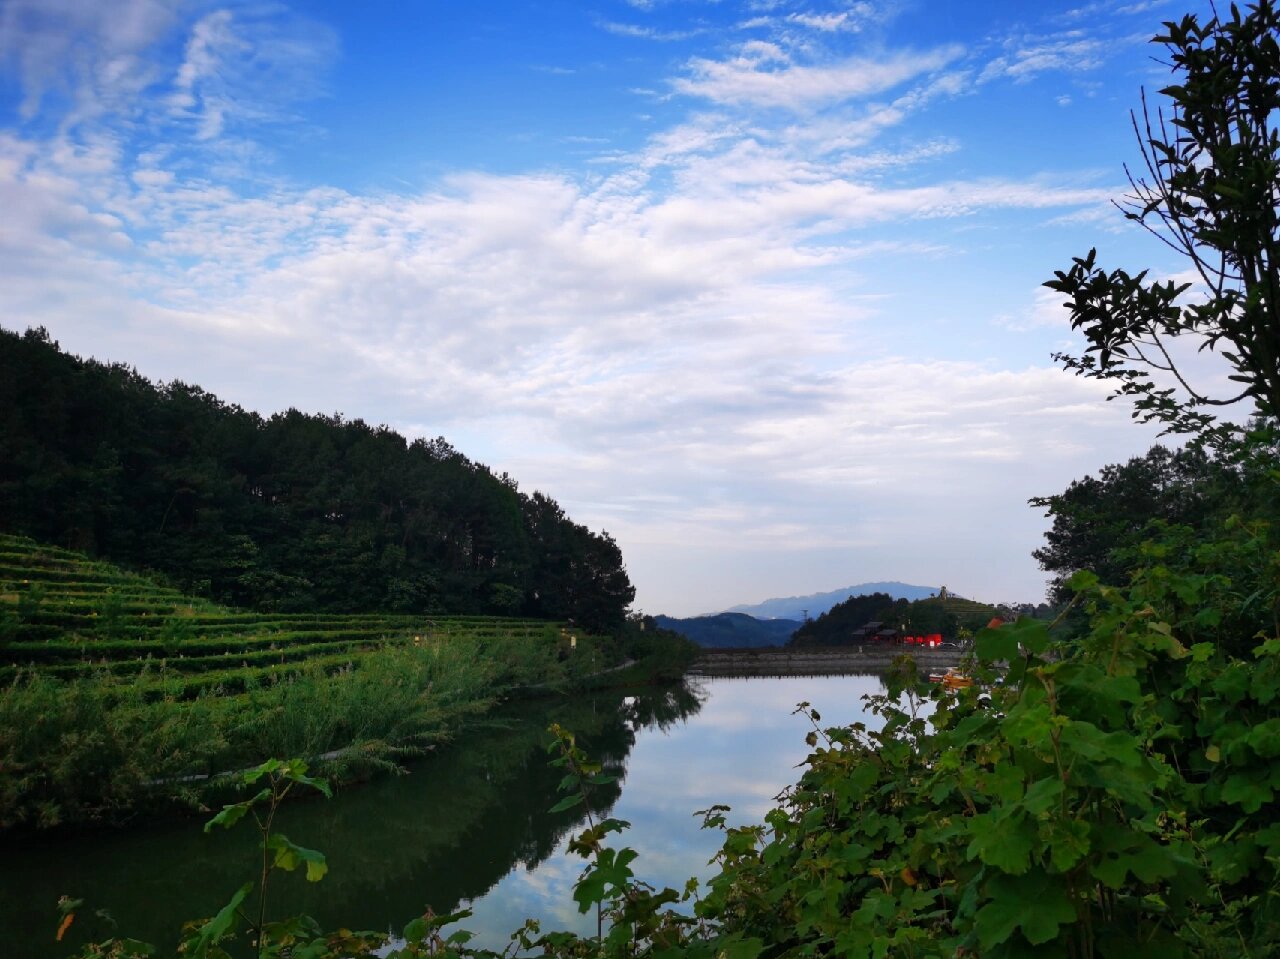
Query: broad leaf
column 219, row 926
column 290, row 855
column 233, row 813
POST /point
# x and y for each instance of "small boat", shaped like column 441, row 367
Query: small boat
column 951, row 679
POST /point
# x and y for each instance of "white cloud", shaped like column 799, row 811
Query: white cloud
column 851, row 19
column 238, row 67
column 88, row 54
column 1045, row 311
column 763, row 74
column 1029, row 57
column 706, row 315
column 647, row 33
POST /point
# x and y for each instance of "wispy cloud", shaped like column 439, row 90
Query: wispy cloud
column 88, row 55
column 852, row 19
column 238, row 68
column 1027, row 58
column 763, row 74
column 648, row 33
column 713, row 309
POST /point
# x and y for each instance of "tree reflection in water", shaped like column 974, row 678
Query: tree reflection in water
column 444, row 834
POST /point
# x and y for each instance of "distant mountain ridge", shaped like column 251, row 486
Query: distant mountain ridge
column 815, row 604
column 731, row 630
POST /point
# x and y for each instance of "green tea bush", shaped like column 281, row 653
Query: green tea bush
column 74, row 752
column 102, row 746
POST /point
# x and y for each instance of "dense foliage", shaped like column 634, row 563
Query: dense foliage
column 293, row 512
column 119, row 696
column 1100, row 522
column 1112, row 796
column 1097, row 519
column 104, row 748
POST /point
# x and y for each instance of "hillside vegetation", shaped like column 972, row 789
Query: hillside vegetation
column 71, row 616
column 946, row 616
column 118, row 694
column 292, row 513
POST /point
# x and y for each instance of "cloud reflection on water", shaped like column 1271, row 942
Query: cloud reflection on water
column 741, row 749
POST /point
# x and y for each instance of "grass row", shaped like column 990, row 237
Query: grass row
column 119, row 695
column 103, row 747
column 63, row 612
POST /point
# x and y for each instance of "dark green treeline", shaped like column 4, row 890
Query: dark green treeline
column 295, row 512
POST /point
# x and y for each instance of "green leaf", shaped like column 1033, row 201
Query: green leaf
column 1082, row 580
column 219, row 926
column 290, row 855
column 1264, row 738
column 1031, row 634
column 1122, row 850
column 992, row 645
column 1005, row 844
column 419, row 929
column 1068, row 843
column 568, row 802
column 611, row 870
column 251, row 776
column 1042, row 795
column 1038, row 904
column 1250, row 792
column 131, row 949
column 320, row 785
column 233, row 813
column 733, row 947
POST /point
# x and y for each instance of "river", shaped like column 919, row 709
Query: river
column 467, row 826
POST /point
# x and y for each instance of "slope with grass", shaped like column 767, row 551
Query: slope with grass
column 118, row 694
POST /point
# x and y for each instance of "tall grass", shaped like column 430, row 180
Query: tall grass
column 101, row 748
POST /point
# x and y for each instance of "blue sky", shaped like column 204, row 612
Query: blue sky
column 754, row 286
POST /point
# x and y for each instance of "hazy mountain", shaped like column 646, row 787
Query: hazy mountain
column 731, row 629
column 795, row 607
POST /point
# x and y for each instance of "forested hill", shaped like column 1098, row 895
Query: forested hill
column 815, row 604
column 294, row 512
column 932, row 615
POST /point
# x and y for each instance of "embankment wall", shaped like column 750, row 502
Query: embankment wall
column 784, row 661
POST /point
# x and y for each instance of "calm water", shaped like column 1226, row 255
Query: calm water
column 467, row 826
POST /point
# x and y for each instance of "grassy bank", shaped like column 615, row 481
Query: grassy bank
column 120, row 697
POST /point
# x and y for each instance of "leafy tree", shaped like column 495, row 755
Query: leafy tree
column 296, row 512
column 1096, row 519
column 836, row 626
column 1210, row 191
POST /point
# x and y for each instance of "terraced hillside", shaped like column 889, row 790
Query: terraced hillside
column 118, row 694
column 969, row 611
column 66, row 615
